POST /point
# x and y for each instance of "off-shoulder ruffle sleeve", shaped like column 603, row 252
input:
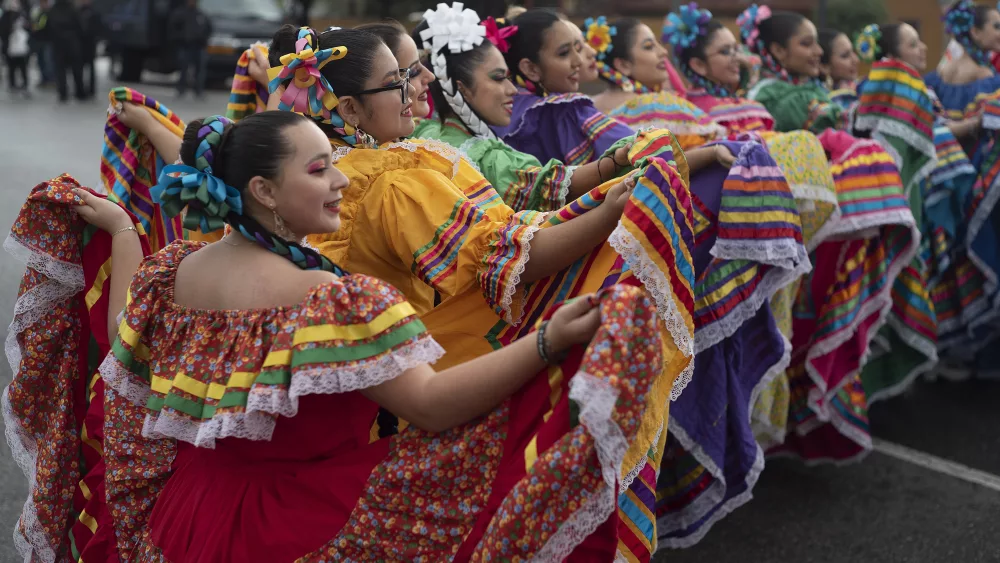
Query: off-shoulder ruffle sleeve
column 797, row 106
column 450, row 243
column 666, row 110
column 565, row 127
column 522, row 181
column 204, row 376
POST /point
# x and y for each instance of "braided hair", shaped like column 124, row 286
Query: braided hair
column 961, row 19
column 219, row 157
column 450, row 68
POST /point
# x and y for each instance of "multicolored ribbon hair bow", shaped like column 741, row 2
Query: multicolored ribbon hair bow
column 958, row 22
column 683, row 28
column 599, row 34
column 498, row 35
column 749, row 22
column 866, row 45
column 307, row 90
column 207, row 198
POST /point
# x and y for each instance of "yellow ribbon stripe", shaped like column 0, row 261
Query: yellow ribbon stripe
column 326, row 333
column 131, row 337
column 897, row 75
column 531, row 453
column 238, row 380
column 96, row 290
column 88, row 521
column 245, row 379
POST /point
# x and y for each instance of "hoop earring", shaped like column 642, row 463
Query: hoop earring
column 364, row 140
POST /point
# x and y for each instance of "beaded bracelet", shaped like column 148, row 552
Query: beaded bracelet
column 543, row 351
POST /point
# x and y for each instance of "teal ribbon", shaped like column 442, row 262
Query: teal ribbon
column 208, row 199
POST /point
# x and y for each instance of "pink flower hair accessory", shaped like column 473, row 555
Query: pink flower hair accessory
column 498, row 35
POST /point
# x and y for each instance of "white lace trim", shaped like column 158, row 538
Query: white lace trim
column 264, row 404
column 29, row 309
column 442, row 149
column 596, row 399
column 65, row 281
column 979, row 218
column 510, row 316
column 627, row 479
column 563, row 190
column 813, row 192
column 965, row 168
column 464, row 149
column 656, row 283
column 340, row 152
column 546, row 101
column 881, row 304
column 789, row 261
column 852, row 227
column 990, row 122
column 776, row 278
column 34, row 544
column 880, row 128
column 767, row 434
column 917, row 342
column 713, row 496
column 63, row 272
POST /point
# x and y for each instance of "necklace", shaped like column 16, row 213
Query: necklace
column 226, row 241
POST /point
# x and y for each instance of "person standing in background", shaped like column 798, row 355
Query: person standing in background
column 15, row 38
column 42, row 43
column 92, row 32
column 65, row 38
column 188, row 31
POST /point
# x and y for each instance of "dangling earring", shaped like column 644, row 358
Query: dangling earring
column 364, row 140
column 279, row 226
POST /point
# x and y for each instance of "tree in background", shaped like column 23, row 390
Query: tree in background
column 851, row 16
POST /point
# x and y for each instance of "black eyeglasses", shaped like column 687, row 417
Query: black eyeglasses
column 403, row 85
column 414, row 71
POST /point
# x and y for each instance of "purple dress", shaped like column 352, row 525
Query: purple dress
column 748, row 244
column 566, row 127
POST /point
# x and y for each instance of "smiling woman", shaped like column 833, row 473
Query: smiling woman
column 839, row 63
column 394, row 35
column 481, row 95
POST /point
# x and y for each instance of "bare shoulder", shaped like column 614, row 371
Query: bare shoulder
column 983, row 73
column 228, row 278
column 296, row 284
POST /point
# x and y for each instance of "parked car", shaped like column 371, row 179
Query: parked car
column 137, row 33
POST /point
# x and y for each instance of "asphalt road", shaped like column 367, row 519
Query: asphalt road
column 884, row 509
